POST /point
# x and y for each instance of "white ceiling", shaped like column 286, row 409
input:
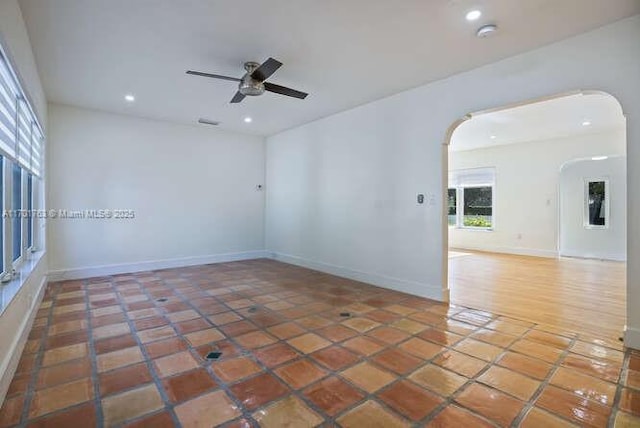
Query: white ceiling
column 90, row 53
column 555, row 118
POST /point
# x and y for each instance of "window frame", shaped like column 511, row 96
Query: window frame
column 31, row 183
column 15, row 263
column 460, row 207
column 607, row 204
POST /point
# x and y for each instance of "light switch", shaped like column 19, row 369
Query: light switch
column 420, row 198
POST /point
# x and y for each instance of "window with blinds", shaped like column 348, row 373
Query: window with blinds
column 21, row 138
column 472, row 177
column 21, row 174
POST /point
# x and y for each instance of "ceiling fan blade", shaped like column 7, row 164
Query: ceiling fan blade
column 282, row 90
column 266, row 69
column 215, row 76
column 237, row 98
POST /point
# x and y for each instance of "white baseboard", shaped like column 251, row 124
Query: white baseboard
column 397, row 284
column 510, row 250
column 94, row 271
column 446, row 295
column 632, row 337
column 581, row 255
column 10, row 364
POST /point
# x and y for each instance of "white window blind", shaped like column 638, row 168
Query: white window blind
column 472, row 177
column 8, row 105
column 21, row 137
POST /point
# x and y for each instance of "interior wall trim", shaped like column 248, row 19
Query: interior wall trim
column 512, row 250
column 114, row 269
column 405, row 286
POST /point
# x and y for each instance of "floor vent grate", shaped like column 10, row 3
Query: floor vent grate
column 212, row 356
column 345, row 314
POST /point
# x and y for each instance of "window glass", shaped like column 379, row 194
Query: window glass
column 478, row 207
column 16, row 197
column 452, row 203
column 597, row 203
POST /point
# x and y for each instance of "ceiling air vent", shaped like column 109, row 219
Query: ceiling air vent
column 208, row 122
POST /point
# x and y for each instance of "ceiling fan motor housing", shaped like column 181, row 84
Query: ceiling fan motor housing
column 250, row 86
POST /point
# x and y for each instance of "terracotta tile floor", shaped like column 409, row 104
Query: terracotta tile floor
column 129, row 350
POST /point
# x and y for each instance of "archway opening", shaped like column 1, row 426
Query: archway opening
column 536, row 212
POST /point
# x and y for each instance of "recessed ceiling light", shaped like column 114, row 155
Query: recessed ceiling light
column 493, row 137
column 473, row 15
column 596, row 158
column 586, row 123
column 129, row 98
column 248, row 120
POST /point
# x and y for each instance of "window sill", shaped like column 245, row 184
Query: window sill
column 10, row 289
column 477, row 229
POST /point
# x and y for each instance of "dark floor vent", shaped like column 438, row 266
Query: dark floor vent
column 345, row 314
column 212, row 356
column 162, row 299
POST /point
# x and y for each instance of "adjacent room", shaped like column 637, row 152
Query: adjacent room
column 298, row 213
column 537, row 212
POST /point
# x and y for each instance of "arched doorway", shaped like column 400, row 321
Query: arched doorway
column 503, row 217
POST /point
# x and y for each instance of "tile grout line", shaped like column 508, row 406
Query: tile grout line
column 619, row 388
column 223, row 385
column 451, row 399
column 37, row 365
column 544, row 384
column 367, row 358
column 168, row 406
column 247, row 414
column 40, row 367
column 271, row 371
column 93, row 358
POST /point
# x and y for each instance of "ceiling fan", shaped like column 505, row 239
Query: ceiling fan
column 253, row 82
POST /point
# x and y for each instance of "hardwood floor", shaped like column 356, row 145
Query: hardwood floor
column 575, row 294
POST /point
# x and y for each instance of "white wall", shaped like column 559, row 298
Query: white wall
column 16, row 319
column 526, row 192
column 192, row 188
column 600, row 243
column 341, row 190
